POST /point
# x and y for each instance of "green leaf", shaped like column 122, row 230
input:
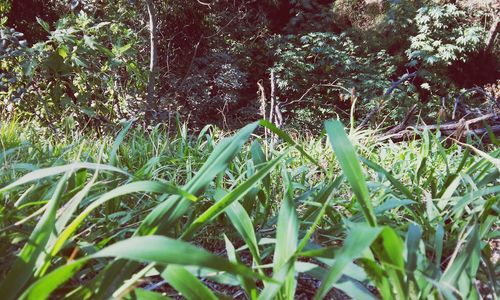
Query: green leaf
column 118, row 141
column 134, row 187
column 141, row 294
column 48, row 172
column 148, row 249
column 358, row 241
column 24, row 266
column 236, row 194
column 186, row 283
column 243, row 224
column 396, row 183
column 289, row 140
column 350, row 166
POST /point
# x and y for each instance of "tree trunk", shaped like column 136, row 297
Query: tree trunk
column 153, row 55
column 492, row 34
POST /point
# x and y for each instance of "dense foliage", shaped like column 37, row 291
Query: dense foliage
column 210, row 56
column 155, row 149
column 294, row 213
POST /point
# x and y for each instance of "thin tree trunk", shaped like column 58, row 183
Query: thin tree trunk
column 153, row 54
column 271, row 110
column 492, row 34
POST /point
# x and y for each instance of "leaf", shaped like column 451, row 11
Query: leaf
column 24, row 265
column 47, row 172
column 396, row 183
column 358, row 240
column 168, row 212
column 248, row 284
column 289, row 140
column 186, row 283
column 44, row 24
column 388, row 249
column 412, row 243
column 232, row 196
column 134, row 187
column 141, row 294
column 215, row 163
column 457, row 266
column 287, row 232
column 148, row 249
column 118, row 141
column 350, row 166
column 243, row 224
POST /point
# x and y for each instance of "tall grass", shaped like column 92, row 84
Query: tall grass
column 93, row 219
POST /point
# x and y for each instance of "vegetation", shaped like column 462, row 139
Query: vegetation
column 138, row 162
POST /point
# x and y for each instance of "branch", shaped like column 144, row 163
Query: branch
column 332, row 85
column 399, row 134
column 387, row 93
column 408, row 134
column 475, row 89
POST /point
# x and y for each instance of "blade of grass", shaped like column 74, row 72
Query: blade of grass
column 118, row 141
column 349, row 163
column 243, row 224
column 24, row 266
column 186, row 283
column 358, row 240
column 48, row 172
column 148, row 249
column 236, row 194
column 287, row 232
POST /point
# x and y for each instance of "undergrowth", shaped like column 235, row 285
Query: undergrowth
column 86, row 218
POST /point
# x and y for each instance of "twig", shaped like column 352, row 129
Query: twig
column 387, row 93
column 333, row 85
column 474, row 89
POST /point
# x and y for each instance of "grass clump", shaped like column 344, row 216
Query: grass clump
column 98, row 218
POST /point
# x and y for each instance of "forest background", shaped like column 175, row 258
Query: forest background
column 92, row 63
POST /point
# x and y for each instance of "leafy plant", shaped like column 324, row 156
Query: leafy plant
column 443, row 36
column 81, row 72
column 141, row 211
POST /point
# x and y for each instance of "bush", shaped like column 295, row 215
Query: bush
column 83, row 72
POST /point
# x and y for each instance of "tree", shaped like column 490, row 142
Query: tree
column 153, row 54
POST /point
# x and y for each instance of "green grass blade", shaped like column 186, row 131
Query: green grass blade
column 243, row 224
column 349, row 163
column 457, row 266
column 324, row 198
column 358, row 240
column 118, row 141
column 232, row 196
column 217, row 162
column 396, row 183
column 148, row 249
column 248, row 284
column 66, row 213
column 289, row 140
column 134, row 187
column 412, row 246
column 186, row 283
column 163, row 217
column 141, row 294
column 48, row 172
column 287, row 232
column 24, row 266
column 388, row 249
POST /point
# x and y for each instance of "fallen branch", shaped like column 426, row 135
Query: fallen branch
column 409, row 134
column 460, row 129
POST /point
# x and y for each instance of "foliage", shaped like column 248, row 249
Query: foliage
column 101, row 210
column 211, row 56
column 83, row 72
column 443, row 36
column 321, row 58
